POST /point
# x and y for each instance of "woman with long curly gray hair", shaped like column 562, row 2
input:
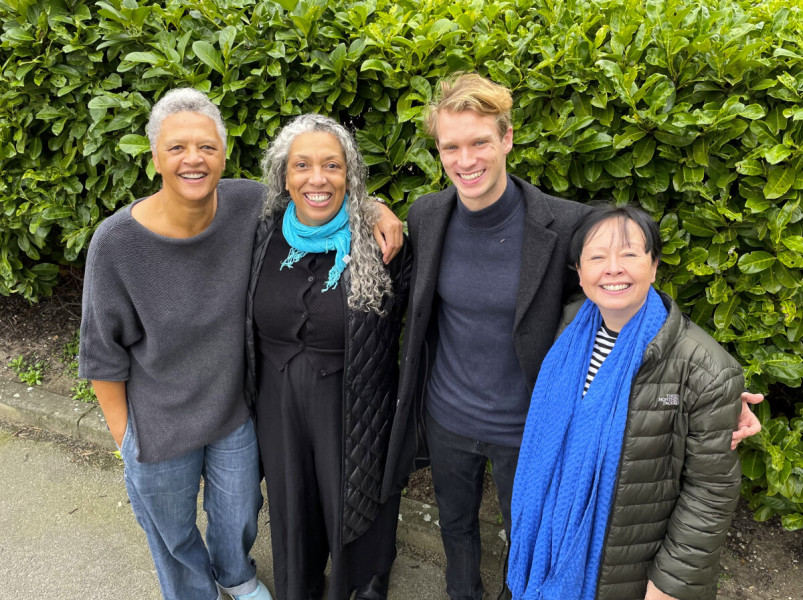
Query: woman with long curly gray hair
column 324, row 317
column 369, row 278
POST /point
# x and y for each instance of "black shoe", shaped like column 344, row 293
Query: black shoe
column 377, row 588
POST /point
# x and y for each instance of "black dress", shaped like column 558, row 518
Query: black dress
column 300, row 351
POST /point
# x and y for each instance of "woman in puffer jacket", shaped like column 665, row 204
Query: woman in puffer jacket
column 323, row 321
column 626, row 483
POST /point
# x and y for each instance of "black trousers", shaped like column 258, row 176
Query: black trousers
column 458, row 468
column 300, row 432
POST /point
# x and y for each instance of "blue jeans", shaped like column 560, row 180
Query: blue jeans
column 458, row 467
column 164, row 498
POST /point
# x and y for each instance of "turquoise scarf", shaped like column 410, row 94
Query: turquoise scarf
column 303, row 239
column 569, row 459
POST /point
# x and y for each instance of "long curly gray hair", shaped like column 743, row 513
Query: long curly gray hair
column 370, row 281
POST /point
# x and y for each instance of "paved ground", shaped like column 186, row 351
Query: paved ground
column 67, row 531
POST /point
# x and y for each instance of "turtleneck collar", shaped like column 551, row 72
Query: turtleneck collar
column 497, row 214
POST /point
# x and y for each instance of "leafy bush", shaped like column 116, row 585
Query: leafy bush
column 772, row 464
column 693, row 110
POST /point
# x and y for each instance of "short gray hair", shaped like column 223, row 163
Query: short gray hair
column 183, row 100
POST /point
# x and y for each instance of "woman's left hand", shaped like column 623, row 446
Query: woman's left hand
column 653, row 593
column 389, row 234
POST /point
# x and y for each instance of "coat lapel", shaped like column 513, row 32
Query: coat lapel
column 537, row 247
column 427, row 252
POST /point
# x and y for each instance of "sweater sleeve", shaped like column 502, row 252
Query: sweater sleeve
column 109, row 324
column 687, row 563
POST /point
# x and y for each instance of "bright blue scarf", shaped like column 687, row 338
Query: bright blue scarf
column 303, row 239
column 569, row 458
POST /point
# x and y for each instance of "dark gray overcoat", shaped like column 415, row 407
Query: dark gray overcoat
column 546, row 282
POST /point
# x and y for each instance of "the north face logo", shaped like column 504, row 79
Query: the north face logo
column 669, row 400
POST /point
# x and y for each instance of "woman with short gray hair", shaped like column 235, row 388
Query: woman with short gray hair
column 161, row 340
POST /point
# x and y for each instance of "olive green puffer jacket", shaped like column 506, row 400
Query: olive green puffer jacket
column 678, row 481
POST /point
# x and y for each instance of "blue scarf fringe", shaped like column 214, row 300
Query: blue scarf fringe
column 569, row 459
column 303, row 239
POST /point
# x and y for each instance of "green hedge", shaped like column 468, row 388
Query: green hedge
column 693, row 110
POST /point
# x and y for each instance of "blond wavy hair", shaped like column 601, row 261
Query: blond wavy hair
column 469, row 91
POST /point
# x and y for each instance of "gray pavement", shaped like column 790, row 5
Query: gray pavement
column 67, row 531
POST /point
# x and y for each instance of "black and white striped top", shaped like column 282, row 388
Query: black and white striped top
column 603, row 345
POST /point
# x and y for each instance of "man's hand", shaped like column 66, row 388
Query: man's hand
column 653, row 593
column 748, row 422
column 389, row 233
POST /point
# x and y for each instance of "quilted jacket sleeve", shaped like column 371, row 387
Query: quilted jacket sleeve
column 687, row 563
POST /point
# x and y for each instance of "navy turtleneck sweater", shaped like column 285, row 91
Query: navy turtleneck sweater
column 477, row 388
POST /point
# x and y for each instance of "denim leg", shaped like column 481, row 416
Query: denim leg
column 164, row 498
column 457, row 473
column 232, row 500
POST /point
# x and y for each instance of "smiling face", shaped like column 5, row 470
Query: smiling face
column 189, row 156
column 316, row 177
column 616, row 272
column 473, row 155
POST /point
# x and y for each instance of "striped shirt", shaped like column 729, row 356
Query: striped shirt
column 603, row 345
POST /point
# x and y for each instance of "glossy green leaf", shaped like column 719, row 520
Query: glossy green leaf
column 792, row 522
column 103, row 102
column 54, row 213
column 755, row 262
column 134, row 144
column 777, row 154
column 723, row 313
column 592, row 143
column 793, row 242
column 208, row 55
column 425, row 161
column 753, row 465
column 618, row 166
column 375, row 64
column 143, row 57
column 779, row 182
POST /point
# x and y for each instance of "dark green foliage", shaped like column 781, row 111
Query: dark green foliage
column 772, row 468
column 692, row 109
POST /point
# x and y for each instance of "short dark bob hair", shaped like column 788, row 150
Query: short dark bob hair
column 589, row 224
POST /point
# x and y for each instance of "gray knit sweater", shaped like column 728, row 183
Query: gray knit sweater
column 167, row 317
